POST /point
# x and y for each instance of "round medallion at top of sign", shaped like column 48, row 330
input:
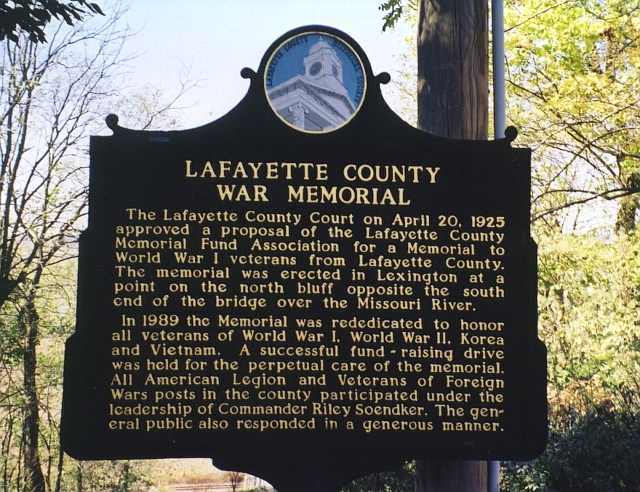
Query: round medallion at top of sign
column 315, row 81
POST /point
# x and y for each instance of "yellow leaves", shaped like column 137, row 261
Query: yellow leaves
column 574, row 69
column 588, row 309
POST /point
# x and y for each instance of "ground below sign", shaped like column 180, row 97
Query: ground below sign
column 306, row 276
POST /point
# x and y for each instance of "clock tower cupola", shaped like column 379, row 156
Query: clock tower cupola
column 323, row 66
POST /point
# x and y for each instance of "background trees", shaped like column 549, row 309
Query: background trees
column 572, row 73
column 589, row 301
column 234, row 479
column 53, row 95
column 31, row 17
column 573, row 93
column 574, row 82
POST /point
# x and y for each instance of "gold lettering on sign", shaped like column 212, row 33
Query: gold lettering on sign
column 330, row 316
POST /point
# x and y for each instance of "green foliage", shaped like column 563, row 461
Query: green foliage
column 114, row 476
column 590, row 453
column 600, row 452
column 392, row 481
column 10, row 342
column 43, row 183
column 33, row 16
column 574, row 80
column 589, row 318
column 573, row 73
column 395, row 10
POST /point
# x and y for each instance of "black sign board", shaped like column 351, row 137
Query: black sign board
column 307, row 279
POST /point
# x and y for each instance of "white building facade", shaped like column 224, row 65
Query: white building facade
column 318, row 100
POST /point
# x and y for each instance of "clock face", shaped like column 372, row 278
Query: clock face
column 315, row 68
column 334, row 101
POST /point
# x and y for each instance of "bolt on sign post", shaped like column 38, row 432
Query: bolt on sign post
column 306, row 287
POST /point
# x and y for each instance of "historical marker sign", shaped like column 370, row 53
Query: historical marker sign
column 306, row 277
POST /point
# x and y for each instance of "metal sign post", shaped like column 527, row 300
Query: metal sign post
column 499, row 125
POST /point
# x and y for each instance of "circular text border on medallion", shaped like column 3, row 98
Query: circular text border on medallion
column 315, row 82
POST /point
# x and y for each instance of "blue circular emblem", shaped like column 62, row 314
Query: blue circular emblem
column 315, row 82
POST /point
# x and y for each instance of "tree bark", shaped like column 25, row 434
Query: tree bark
column 59, row 469
column 126, row 476
column 79, row 477
column 453, row 102
column 628, row 206
column 7, row 475
column 28, row 319
column 626, row 216
column 450, row 476
column 453, row 68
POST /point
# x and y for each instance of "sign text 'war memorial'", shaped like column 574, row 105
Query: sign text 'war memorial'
column 306, row 277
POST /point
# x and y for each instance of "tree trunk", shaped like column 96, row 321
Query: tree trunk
column 629, row 205
column 453, row 68
column 126, row 479
column 28, row 319
column 79, row 477
column 450, row 476
column 453, row 102
column 626, row 216
column 59, row 469
column 7, row 475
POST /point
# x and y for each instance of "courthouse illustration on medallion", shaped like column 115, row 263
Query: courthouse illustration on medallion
column 315, row 82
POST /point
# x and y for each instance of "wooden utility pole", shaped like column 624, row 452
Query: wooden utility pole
column 453, row 102
column 453, row 68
